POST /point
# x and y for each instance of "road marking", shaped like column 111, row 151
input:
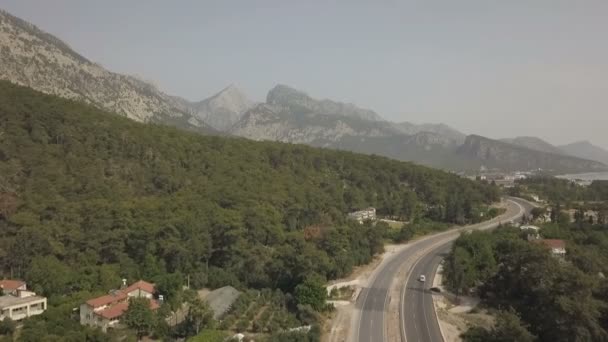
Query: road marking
column 448, row 236
column 482, row 226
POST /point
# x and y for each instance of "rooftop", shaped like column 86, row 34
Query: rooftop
column 553, row 243
column 120, row 308
column 142, row 285
column 9, row 284
column 120, row 295
column 9, row 300
column 107, row 299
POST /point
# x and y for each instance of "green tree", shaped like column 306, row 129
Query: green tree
column 311, row 292
column 7, row 326
column 199, row 316
column 139, row 316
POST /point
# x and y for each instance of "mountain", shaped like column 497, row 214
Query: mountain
column 34, row 58
column 584, row 149
column 221, row 110
column 534, row 143
column 292, row 116
column 283, row 123
column 501, row 155
column 440, row 129
column 99, row 194
column 299, row 101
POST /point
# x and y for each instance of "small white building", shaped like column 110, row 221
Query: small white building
column 363, row 215
column 18, row 303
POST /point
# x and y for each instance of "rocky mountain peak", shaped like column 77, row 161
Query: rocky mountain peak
column 230, row 98
column 39, row 60
column 300, row 102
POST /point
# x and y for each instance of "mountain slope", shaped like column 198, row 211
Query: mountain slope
column 534, row 143
column 36, row 59
column 103, row 196
column 221, row 110
column 584, row 149
column 497, row 154
column 299, row 101
column 439, row 129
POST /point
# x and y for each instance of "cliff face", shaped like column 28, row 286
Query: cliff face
column 300, row 101
column 505, row 156
column 34, row 58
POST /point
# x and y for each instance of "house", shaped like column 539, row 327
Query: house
column 17, row 302
column 105, row 311
column 363, row 215
column 533, row 231
column 10, row 286
column 557, row 247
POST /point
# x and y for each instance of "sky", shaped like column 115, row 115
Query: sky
column 495, row 68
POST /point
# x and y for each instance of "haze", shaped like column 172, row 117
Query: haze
column 499, row 69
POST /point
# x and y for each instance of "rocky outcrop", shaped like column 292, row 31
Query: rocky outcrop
column 505, row 156
column 34, row 58
column 300, row 102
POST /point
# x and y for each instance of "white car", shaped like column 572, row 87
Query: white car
column 422, row 278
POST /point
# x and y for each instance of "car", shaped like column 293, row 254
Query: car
column 422, row 278
column 435, row 289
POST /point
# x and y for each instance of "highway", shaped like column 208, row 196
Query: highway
column 417, row 317
column 419, row 321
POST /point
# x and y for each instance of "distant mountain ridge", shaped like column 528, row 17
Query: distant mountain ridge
column 534, row 143
column 584, row 149
column 292, row 116
column 34, row 58
column 505, row 156
column 300, row 101
column 221, row 110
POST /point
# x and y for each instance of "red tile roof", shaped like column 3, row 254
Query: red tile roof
column 107, row 299
column 141, row 285
column 120, row 295
column 11, row 285
column 114, row 310
column 553, row 243
column 117, row 310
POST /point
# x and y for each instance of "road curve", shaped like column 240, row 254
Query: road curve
column 373, row 301
column 418, row 317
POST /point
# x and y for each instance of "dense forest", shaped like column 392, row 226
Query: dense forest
column 557, row 190
column 537, row 297
column 89, row 197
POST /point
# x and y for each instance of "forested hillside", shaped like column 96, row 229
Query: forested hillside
column 88, row 197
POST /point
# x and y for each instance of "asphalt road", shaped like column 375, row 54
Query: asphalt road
column 373, row 301
column 418, row 318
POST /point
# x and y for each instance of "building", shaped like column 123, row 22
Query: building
column 533, row 232
column 9, row 286
column 17, row 302
column 363, row 215
column 557, row 247
column 105, row 311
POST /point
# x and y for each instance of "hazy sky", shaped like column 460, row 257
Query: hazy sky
column 496, row 68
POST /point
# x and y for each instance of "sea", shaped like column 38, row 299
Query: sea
column 591, row 176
